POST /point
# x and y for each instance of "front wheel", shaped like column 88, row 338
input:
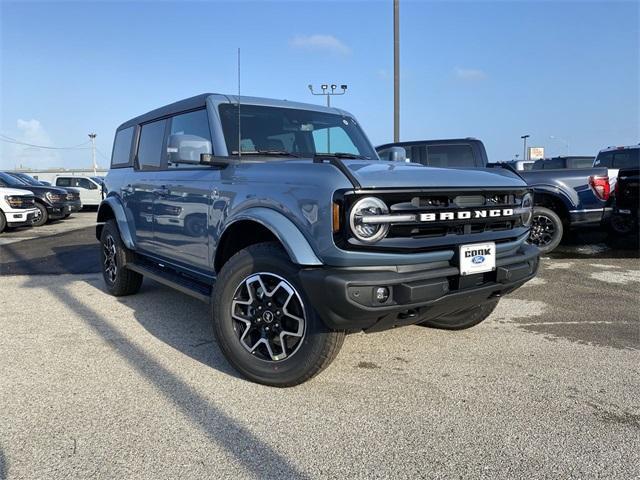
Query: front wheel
column 43, row 216
column 264, row 323
column 3, row 222
column 546, row 229
column 467, row 318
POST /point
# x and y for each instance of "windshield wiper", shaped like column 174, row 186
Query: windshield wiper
column 341, row 155
column 269, row 153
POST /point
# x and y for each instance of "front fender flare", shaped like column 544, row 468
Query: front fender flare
column 570, row 201
column 115, row 205
column 289, row 235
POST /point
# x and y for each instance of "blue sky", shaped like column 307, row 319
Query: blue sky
column 492, row 70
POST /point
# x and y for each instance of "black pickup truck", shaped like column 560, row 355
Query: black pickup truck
column 564, row 198
column 625, row 212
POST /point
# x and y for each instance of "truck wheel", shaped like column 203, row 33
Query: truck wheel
column 620, row 225
column 546, row 229
column 3, row 222
column 264, row 323
column 467, row 318
column 44, row 215
column 113, row 257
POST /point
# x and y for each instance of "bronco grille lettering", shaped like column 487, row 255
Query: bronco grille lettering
column 464, row 215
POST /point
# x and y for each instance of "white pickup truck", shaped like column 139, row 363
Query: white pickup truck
column 17, row 208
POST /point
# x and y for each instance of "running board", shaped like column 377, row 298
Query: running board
column 176, row 281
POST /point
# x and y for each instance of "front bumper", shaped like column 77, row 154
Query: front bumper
column 344, row 297
column 58, row 210
column 73, row 207
column 21, row 219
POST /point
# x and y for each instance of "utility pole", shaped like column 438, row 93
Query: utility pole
column 93, row 136
column 524, row 138
column 328, row 93
column 396, row 70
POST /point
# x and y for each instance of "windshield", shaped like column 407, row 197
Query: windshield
column 298, row 132
column 10, row 181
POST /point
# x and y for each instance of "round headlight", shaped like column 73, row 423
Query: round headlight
column 368, row 231
column 527, row 209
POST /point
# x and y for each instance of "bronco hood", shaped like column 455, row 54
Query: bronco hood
column 384, row 174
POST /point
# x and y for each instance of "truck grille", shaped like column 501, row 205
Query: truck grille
column 437, row 220
column 21, row 202
column 73, row 196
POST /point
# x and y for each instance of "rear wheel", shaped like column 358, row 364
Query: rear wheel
column 264, row 324
column 113, row 258
column 546, row 229
column 43, row 216
column 467, row 318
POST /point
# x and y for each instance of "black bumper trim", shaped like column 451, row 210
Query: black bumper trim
column 345, row 298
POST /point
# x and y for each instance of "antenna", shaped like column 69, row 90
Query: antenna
column 239, row 123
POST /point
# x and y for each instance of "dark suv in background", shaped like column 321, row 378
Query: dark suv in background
column 73, row 195
column 50, row 201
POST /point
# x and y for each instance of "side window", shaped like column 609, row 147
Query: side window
column 450, row 156
column 63, row 182
column 188, row 138
column 332, row 140
column 121, row 155
column 604, row 159
column 150, row 145
column 626, row 159
column 553, row 163
column 85, row 183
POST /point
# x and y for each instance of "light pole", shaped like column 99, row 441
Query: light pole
column 93, row 136
column 396, row 70
column 524, row 138
column 562, row 140
column 328, row 91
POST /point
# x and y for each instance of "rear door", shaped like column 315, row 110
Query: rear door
column 139, row 194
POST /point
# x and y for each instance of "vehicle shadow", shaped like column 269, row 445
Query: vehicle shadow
column 183, row 324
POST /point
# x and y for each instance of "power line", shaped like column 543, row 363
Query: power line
column 7, row 139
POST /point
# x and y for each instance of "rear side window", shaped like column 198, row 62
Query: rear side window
column 63, row 182
column 626, row 158
column 121, row 155
column 150, row 145
column 604, row 159
column 450, row 156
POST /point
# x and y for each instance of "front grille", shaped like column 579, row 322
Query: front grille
column 442, row 219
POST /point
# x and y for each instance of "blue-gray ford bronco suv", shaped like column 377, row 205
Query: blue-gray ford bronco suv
column 282, row 216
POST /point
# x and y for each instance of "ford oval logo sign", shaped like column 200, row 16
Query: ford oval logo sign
column 478, row 259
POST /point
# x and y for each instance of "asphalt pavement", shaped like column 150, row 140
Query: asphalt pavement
column 93, row 386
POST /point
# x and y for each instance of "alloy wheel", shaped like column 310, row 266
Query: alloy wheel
column 268, row 317
column 543, row 230
column 110, row 260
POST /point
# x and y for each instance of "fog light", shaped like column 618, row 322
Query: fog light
column 382, row 294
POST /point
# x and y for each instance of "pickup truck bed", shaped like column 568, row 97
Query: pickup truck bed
column 568, row 193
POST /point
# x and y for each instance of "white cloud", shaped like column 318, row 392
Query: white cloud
column 29, row 131
column 327, row 43
column 470, row 74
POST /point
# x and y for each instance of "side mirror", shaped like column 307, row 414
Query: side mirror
column 397, row 154
column 187, row 148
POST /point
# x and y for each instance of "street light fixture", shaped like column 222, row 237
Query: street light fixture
column 328, row 92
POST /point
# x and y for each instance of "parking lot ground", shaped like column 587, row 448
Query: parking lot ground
column 94, row 386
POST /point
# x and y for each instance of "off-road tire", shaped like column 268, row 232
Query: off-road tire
column 44, row 215
column 317, row 348
column 3, row 222
column 553, row 221
column 463, row 319
column 125, row 282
